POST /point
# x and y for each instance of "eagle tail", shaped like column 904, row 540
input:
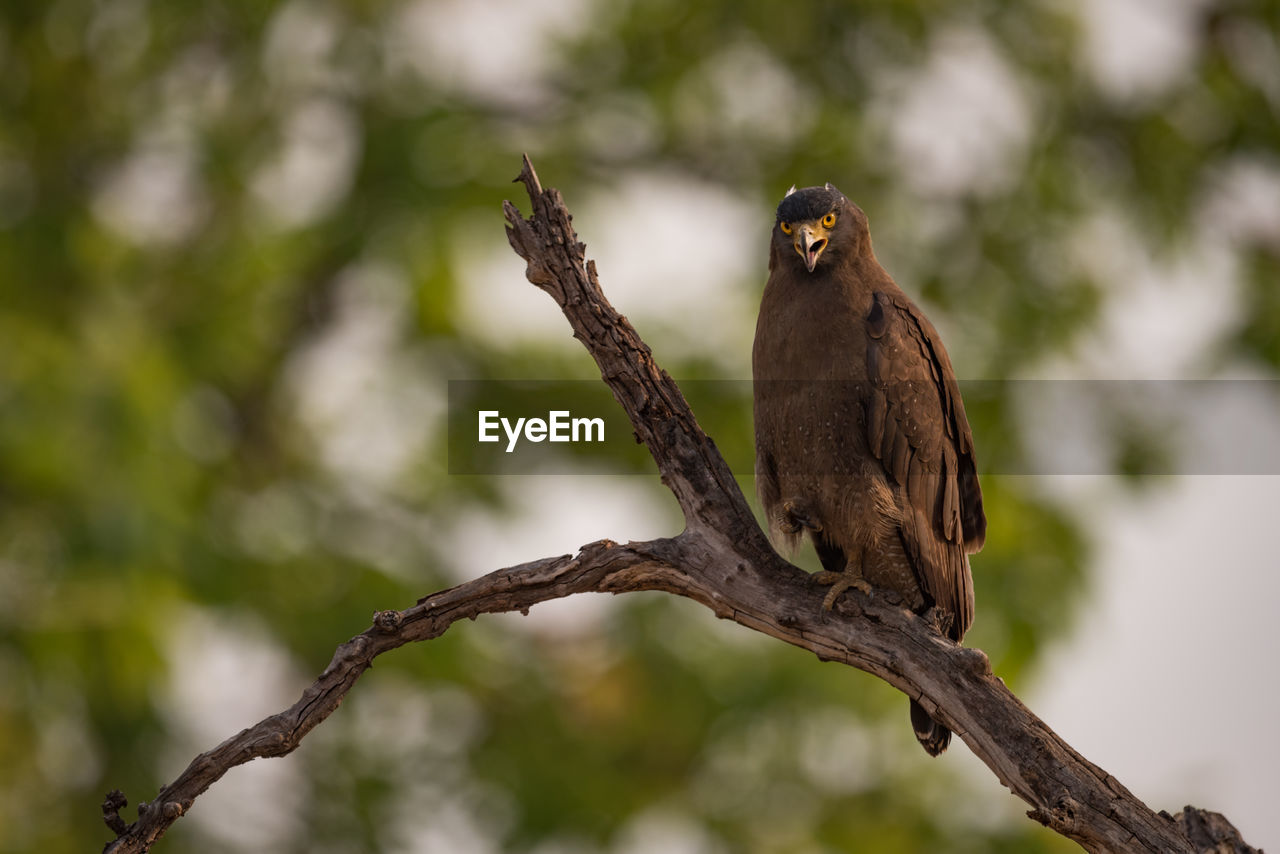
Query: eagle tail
column 933, row 736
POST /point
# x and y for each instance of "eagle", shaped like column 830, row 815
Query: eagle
column 862, row 442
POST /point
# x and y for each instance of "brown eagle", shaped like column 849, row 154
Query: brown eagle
column 861, row 437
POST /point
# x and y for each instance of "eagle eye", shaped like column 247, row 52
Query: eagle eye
column 829, row 220
column 786, row 227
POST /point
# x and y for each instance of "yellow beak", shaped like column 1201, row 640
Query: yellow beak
column 811, row 239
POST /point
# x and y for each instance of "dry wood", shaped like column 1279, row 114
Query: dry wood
column 724, row 561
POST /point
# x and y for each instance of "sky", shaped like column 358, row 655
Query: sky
column 1168, row 678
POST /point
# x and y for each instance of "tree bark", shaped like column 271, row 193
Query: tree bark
column 724, row 561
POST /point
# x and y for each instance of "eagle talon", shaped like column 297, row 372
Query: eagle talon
column 841, row 582
column 939, row 619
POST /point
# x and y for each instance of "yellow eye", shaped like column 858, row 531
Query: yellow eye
column 829, row 220
column 786, row 227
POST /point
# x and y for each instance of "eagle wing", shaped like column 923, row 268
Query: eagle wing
column 917, row 428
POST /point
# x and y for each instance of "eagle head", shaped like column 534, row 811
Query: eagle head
column 820, row 225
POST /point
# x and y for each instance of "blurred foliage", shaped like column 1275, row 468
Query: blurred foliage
column 236, row 241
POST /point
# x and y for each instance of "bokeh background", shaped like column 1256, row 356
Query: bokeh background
column 244, row 247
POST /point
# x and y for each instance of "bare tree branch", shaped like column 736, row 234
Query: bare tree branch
column 724, row 561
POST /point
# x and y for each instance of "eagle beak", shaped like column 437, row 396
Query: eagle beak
column 809, row 243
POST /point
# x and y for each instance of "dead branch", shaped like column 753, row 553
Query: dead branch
column 724, row 561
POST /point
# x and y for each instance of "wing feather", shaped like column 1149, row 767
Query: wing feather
column 917, row 427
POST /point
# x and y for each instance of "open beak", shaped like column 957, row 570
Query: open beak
column 810, row 241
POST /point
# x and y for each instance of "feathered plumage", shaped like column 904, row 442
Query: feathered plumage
column 861, row 436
